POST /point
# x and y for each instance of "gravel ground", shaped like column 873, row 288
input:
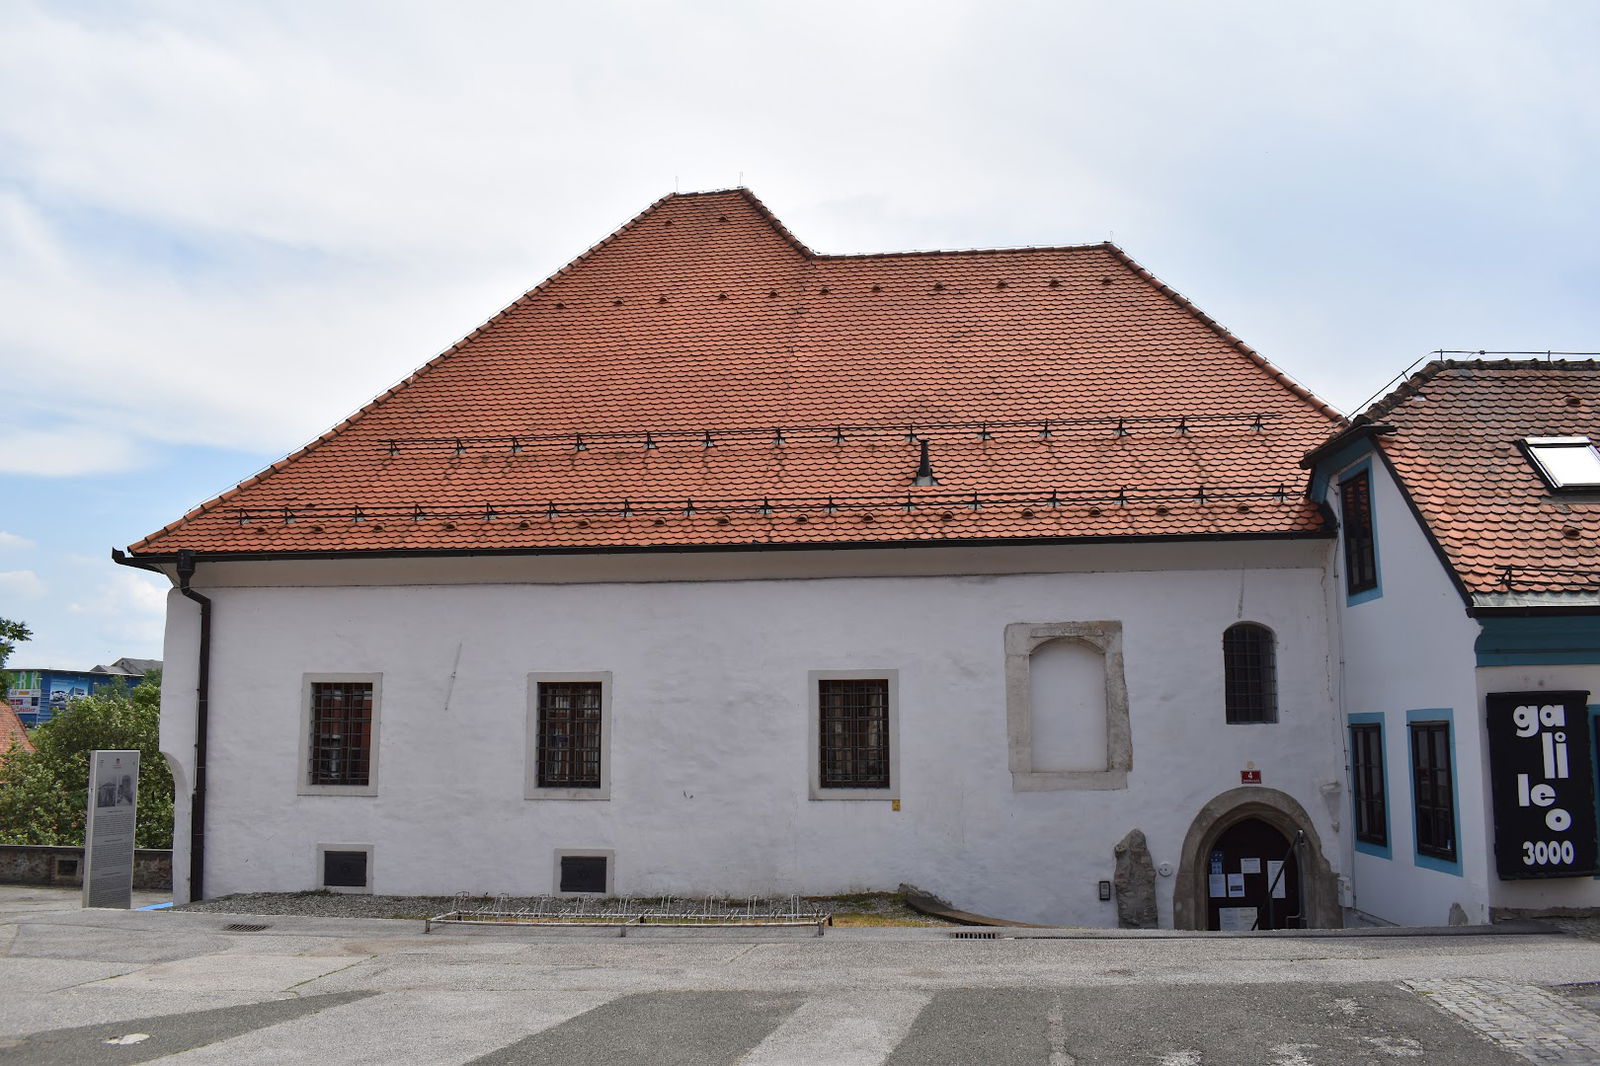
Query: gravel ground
column 861, row 909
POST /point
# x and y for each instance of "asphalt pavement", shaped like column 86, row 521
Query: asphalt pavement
column 81, row 986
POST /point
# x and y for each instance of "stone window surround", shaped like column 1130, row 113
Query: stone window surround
column 1021, row 639
column 302, row 760
column 531, row 789
column 814, row 736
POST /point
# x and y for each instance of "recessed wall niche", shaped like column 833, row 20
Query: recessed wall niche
column 1067, row 706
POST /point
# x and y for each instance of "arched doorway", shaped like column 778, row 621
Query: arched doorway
column 1318, row 885
column 1253, row 879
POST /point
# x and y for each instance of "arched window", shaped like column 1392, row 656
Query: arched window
column 1250, row 669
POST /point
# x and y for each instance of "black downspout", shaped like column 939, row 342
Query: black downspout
column 197, row 804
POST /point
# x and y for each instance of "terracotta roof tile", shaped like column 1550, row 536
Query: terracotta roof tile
column 1455, row 445
column 12, row 731
column 701, row 353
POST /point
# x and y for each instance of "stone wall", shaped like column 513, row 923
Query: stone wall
column 31, row 864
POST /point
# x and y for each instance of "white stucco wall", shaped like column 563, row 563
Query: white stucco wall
column 1411, row 649
column 710, row 725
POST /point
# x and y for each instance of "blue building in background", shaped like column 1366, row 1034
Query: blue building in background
column 36, row 695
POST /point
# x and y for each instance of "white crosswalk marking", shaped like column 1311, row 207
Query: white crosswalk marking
column 840, row 1029
column 1292, row 1055
column 1057, row 1022
column 1186, row 1057
column 417, row 1028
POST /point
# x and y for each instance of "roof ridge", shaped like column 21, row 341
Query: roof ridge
column 1020, row 249
column 1321, row 406
column 1415, row 380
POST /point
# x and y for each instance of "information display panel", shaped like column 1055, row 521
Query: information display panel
column 108, row 840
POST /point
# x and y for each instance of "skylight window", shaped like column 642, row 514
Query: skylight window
column 1565, row 462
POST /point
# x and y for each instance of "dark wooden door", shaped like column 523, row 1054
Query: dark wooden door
column 1241, row 869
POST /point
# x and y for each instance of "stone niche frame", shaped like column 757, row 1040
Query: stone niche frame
column 1319, row 885
column 1022, row 638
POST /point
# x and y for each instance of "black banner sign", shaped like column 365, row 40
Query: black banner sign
column 1543, row 781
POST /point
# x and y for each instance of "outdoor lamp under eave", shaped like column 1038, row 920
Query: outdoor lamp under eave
column 924, row 476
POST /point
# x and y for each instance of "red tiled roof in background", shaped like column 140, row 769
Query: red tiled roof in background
column 702, row 378
column 1455, row 446
column 12, row 731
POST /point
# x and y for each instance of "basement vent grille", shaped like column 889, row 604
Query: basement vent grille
column 244, row 927
column 974, row 934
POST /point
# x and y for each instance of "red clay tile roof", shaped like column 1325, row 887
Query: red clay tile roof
column 12, row 731
column 1455, row 447
column 700, row 377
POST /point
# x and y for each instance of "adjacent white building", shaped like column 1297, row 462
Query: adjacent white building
column 1468, row 586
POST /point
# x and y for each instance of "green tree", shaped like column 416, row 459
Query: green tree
column 44, row 793
column 11, row 634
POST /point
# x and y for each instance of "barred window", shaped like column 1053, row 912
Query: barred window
column 1433, row 788
column 341, row 733
column 1250, row 674
column 1366, row 767
column 569, row 734
column 854, row 722
column 1360, row 549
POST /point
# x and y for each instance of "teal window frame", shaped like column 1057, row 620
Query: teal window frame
column 1424, row 716
column 1366, row 595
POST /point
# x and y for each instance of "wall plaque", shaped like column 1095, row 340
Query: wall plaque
column 1542, row 777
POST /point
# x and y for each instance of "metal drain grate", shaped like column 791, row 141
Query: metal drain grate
column 975, row 934
column 243, row 927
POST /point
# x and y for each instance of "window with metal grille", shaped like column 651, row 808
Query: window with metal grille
column 1250, row 674
column 854, row 722
column 1433, row 790
column 1366, row 766
column 1360, row 550
column 569, row 734
column 341, row 733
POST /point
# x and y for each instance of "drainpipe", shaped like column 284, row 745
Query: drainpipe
column 197, row 805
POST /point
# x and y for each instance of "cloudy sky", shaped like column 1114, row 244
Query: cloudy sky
column 225, row 226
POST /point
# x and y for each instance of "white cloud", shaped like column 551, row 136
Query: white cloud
column 233, row 224
column 127, row 594
column 12, row 542
column 21, row 584
column 67, row 450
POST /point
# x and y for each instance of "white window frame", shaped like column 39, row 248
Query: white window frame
column 531, row 789
column 814, row 734
column 303, row 759
column 1534, row 446
column 321, row 868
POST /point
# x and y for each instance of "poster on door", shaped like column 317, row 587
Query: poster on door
column 1542, row 777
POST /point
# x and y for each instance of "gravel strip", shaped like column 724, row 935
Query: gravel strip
column 876, row 908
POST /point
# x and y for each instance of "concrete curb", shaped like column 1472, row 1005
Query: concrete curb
column 926, row 903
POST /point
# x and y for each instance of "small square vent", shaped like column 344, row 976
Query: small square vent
column 344, row 869
column 583, row 873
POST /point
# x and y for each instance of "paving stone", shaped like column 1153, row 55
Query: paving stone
column 1533, row 1022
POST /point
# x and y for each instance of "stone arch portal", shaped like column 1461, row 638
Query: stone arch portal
column 1319, row 883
